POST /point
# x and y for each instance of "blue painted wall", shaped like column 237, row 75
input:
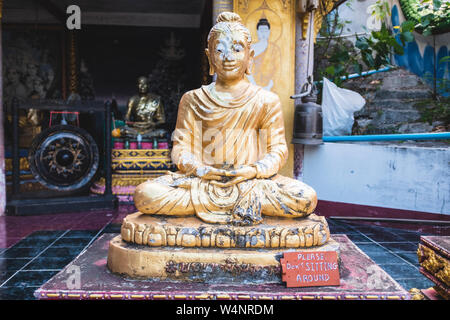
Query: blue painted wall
column 424, row 65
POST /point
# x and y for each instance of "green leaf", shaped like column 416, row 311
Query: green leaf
column 427, row 32
column 330, row 70
column 339, row 69
column 436, row 4
column 361, row 43
column 357, row 67
column 368, row 59
column 398, row 49
column 425, row 22
column 408, row 36
column 407, row 26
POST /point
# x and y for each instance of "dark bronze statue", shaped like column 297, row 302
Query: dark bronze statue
column 144, row 115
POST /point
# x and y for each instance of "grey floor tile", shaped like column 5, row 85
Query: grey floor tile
column 18, row 293
column 418, row 282
column 401, row 270
column 29, row 279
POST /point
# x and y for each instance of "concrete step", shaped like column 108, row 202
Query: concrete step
column 401, row 81
column 380, row 106
column 366, row 126
column 391, row 116
column 416, row 127
column 397, row 104
column 419, row 93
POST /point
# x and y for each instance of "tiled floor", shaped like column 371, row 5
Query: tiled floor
column 33, row 249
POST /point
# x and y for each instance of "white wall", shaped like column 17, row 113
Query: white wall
column 355, row 11
column 399, row 177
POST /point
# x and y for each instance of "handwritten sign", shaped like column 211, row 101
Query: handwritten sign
column 310, row 269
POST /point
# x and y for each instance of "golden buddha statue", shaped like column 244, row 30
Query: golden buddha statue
column 144, row 114
column 228, row 145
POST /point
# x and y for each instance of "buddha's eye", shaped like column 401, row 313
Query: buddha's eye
column 238, row 48
column 220, row 48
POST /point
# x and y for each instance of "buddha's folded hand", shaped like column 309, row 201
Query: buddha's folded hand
column 210, row 173
column 237, row 175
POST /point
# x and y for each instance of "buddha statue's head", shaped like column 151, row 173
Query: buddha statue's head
column 229, row 48
column 263, row 29
column 142, row 83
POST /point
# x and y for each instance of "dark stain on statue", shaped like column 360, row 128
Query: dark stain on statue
column 240, row 241
column 285, row 208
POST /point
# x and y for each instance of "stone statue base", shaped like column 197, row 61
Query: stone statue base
column 158, row 231
column 187, row 249
column 200, row 264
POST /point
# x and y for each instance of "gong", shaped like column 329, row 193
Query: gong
column 63, row 158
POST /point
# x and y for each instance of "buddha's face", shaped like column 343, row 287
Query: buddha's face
column 229, row 55
column 142, row 85
column 263, row 33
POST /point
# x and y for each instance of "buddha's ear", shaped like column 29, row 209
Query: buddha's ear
column 250, row 62
column 211, row 68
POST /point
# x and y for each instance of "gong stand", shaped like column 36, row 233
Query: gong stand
column 54, row 201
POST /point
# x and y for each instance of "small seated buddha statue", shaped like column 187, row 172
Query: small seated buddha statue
column 228, row 145
column 144, row 115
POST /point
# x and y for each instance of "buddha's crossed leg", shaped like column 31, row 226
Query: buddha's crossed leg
column 161, row 197
column 278, row 197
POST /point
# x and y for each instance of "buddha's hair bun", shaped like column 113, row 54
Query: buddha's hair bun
column 225, row 22
column 228, row 17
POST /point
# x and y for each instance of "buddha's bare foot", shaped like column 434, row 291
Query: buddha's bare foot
column 248, row 211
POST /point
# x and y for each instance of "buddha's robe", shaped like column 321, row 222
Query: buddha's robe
column 145, row 109
column 266, row 67
column 248, row 130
